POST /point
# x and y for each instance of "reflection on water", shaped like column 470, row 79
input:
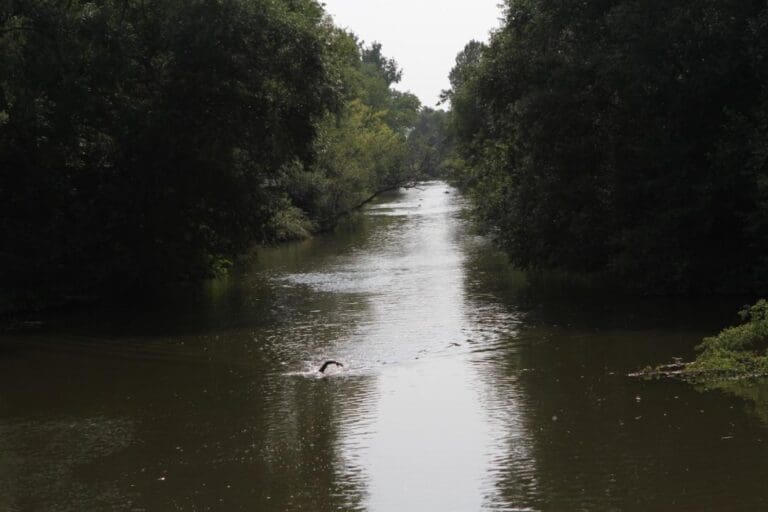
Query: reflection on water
column 465, row 387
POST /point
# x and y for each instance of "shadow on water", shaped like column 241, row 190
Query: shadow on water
column 185, row 400
column 584, row 436
column 753, row 391
column 195, row 398
column 85, row 433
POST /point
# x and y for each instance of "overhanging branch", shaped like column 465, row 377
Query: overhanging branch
column 411, row 183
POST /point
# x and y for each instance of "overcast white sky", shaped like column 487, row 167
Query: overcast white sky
column 423, row 36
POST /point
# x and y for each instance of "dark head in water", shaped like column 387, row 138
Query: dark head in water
column 327, row 364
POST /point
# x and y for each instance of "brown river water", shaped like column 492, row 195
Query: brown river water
column 465, row 387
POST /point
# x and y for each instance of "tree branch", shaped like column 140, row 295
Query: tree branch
column 406, row 184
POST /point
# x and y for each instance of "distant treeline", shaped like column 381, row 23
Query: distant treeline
column 156, row 140
column 626, row 139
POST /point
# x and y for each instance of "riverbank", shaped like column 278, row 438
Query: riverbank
column 738, row 352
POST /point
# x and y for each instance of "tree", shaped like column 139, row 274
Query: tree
column 380, row 66
column 430, row 144
column 144, row 141
column 610, row 138
column 361, row 150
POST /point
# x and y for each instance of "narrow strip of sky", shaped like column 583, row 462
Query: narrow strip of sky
column 423, row 36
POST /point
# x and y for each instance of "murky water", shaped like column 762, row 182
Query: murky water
column 464, row 388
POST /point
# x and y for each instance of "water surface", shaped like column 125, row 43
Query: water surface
column 465, row 387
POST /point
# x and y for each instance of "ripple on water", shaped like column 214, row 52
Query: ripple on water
column 436, row 407
column 42, row 463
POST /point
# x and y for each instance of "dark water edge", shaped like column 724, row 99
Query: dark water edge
column 466, row 386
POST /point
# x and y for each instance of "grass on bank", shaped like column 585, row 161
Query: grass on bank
column 738, row 352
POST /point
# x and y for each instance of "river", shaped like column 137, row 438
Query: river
column 465, row 387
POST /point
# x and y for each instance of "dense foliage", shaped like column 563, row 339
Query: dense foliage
column 361, row 150
column 146, row 140
column 430, row 144
column 737, row 351
column 623, row 138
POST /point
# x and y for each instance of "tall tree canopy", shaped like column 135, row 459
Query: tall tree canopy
column 623, row 137
column 145, row 140
column 430, row 144
column 361, row 149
